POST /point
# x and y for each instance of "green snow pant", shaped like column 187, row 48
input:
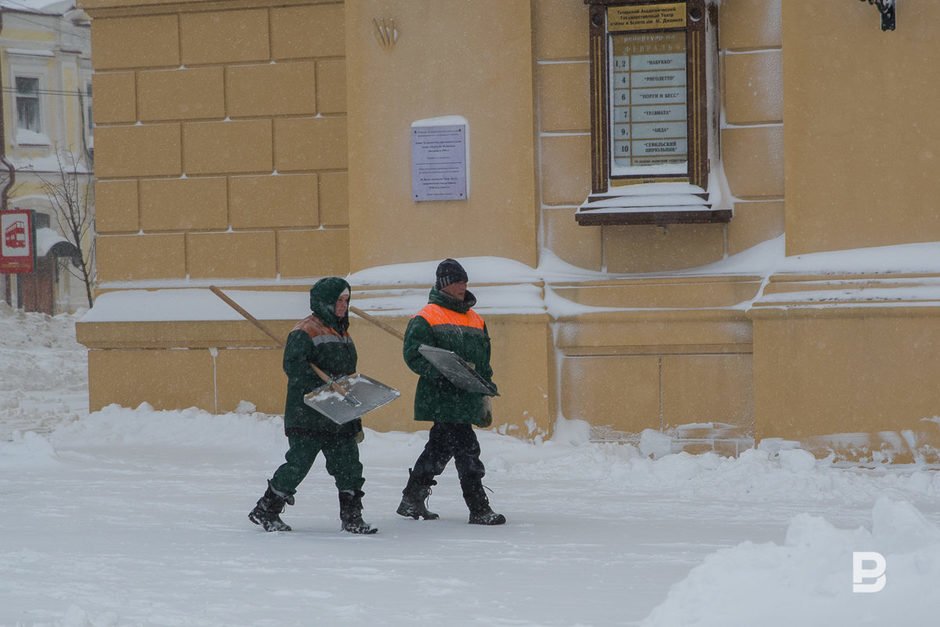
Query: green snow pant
column 342, row 462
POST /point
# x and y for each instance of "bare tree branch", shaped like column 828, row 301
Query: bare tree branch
column 71, row 194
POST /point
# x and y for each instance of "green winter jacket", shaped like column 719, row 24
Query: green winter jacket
column 321, row 339
column 452, row 325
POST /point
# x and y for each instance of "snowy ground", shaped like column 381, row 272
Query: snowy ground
column 138, row 517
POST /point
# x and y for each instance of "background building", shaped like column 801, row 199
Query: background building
column 730, row 295
column 45, row 61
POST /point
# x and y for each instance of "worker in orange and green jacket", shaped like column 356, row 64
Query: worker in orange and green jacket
column 448, row 321
column 322, row 338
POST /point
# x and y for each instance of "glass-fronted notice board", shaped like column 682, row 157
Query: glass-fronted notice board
column 649, row 98
column 653, row 115
column 649, row 102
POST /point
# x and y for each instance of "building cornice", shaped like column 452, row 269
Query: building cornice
column 132, row 8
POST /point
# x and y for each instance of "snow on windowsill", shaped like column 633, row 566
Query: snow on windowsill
column 47, row 164
column 30, row 52
column 26, row 137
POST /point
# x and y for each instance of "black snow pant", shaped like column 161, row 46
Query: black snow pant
column 342, row 462
column 451, row 441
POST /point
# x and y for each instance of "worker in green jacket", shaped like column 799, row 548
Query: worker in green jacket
column 449, row 322
column 322, row 339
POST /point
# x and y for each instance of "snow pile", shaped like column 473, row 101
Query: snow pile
column 702, row 536
column 756, row 475
column 39, row 354
column 807, row 580
column 655, row 444
column 187, row 428
column 26, row 450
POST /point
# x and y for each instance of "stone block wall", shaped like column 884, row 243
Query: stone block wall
column 221, row 141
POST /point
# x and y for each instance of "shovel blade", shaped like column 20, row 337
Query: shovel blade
column 363, row 394
column 456, row 370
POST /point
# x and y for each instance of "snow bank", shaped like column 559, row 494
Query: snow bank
column 36, row 332
column 755, row 476
column 807, row 580
column 188, row 428
column 26, row 450
column 197, row 466
column 39, row 354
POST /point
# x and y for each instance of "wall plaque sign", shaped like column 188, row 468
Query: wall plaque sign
column 439, row 160
column 646, row 17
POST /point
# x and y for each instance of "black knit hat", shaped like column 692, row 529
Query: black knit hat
column 449, row 271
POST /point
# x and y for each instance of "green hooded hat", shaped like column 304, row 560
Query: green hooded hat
column 323, row 297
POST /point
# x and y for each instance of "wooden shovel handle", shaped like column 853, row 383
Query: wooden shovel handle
column 382, row 325
column 247, row 316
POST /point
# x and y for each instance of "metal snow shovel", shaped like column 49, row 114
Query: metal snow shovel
column 341, row 399
column 458, row 371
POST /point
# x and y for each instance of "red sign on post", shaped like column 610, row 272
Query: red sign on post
column 17, row 241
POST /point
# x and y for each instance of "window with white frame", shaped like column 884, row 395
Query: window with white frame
column 28, row 113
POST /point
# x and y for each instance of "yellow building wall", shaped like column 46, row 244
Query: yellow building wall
column 216, row 365
column 471, row 59
column 665, row 363
column 853, row 374
column 683, row 355
column 206, row 175
column 861, row 126
column 220, row 139
column 855, row 380
column 175, row 99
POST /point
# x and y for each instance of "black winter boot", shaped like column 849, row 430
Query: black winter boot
column 350, row 512
column 414, row 498
column 479, row 505
column 267, row 511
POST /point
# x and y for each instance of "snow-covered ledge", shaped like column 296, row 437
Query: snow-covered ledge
column 864, row 279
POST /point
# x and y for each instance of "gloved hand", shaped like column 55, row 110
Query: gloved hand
column 487, row 411
column 359, row 434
